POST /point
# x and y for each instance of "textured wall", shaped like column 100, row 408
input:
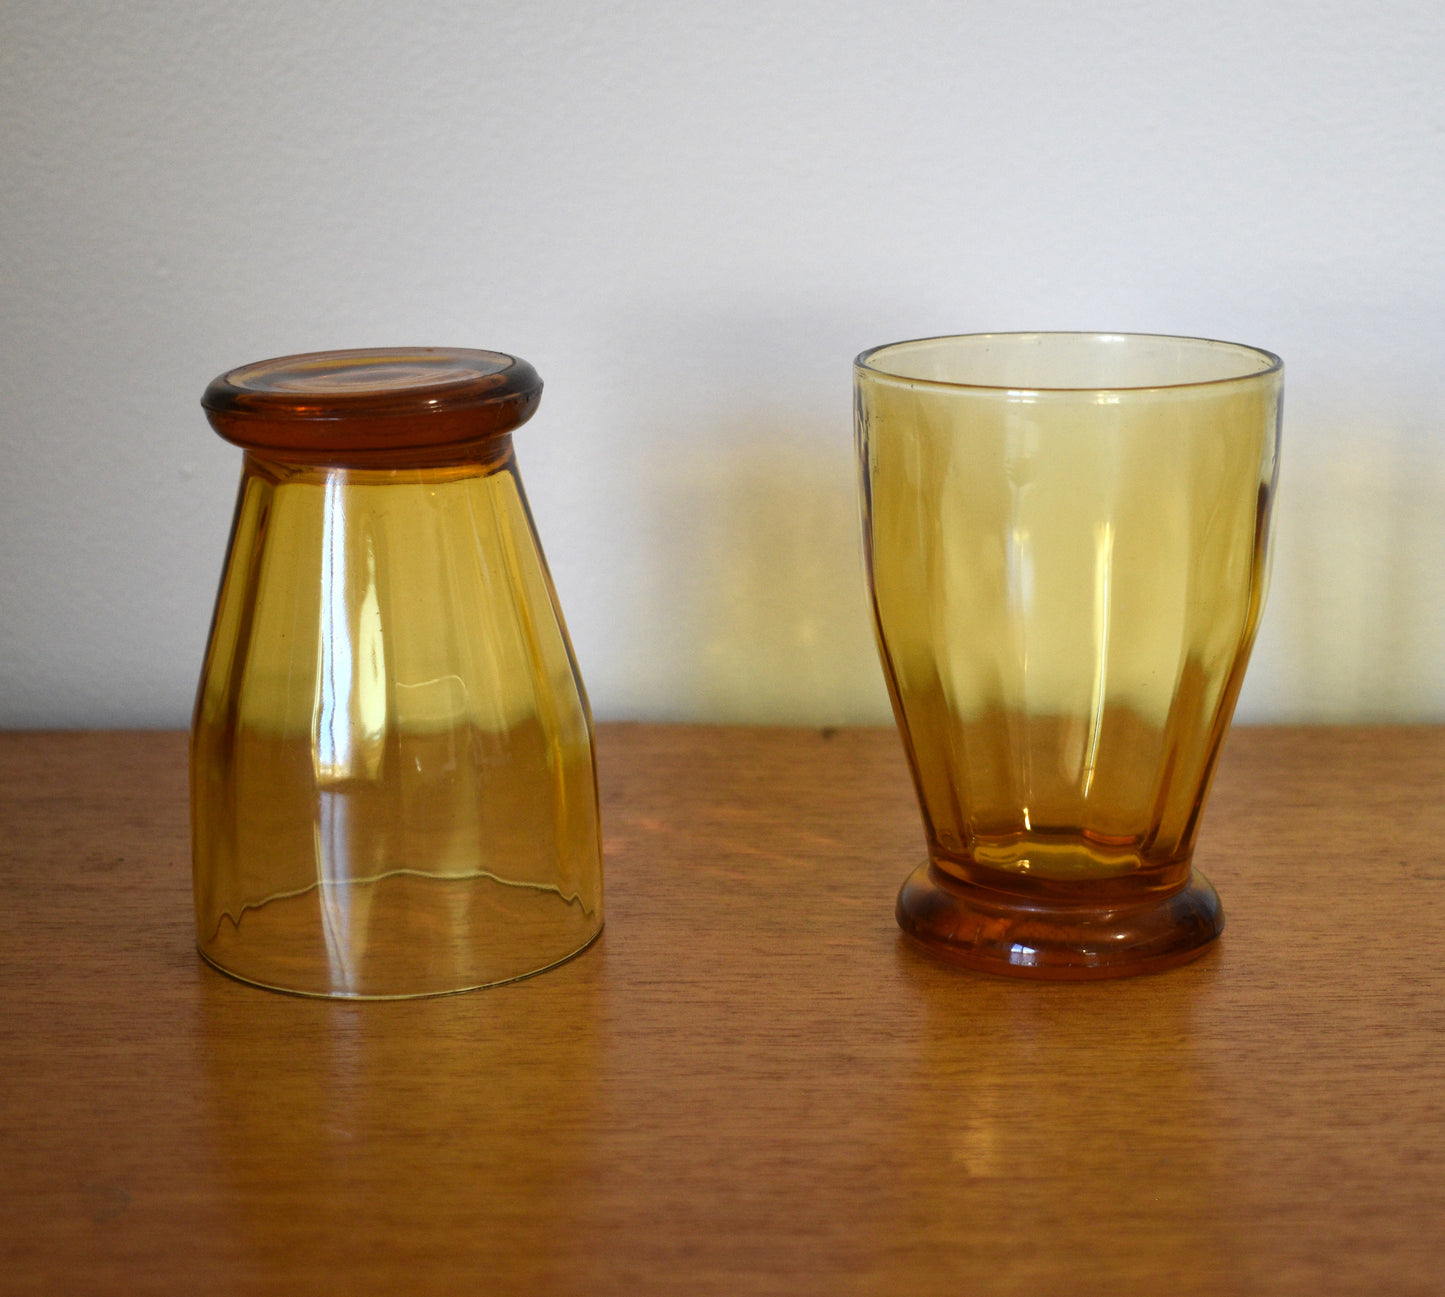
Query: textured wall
column 689, row 218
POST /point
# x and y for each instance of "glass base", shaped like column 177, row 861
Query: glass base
column 997, row 932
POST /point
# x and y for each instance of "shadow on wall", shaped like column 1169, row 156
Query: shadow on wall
column 1355, row 625
column 759, row 546
column 759, row 550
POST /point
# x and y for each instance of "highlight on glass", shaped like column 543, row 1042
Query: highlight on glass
column 1067, row 541
column 393, row 787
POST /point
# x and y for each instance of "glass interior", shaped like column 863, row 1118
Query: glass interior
column 1065, row 591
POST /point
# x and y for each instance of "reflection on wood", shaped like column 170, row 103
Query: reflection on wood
column 751, row 1083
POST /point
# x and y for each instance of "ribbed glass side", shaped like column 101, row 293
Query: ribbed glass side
column 393, row 785
column 1066, row 587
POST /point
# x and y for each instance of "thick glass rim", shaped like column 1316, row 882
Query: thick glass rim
column 865, row 363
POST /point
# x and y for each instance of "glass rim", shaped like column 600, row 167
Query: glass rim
column 863, row 363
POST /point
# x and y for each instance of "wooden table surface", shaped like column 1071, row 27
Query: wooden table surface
column 751, row 1083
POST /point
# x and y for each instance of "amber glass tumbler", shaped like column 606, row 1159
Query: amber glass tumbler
column 393, row 789
column 1067, row 547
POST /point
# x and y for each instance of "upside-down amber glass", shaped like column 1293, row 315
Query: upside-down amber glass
column 1067, row 545
column 392, row 776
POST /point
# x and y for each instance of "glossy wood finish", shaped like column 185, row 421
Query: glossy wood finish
column 752, row 1083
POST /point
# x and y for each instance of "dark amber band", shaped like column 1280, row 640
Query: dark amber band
column 384, row 408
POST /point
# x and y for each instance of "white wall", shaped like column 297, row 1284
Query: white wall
column 689, row 218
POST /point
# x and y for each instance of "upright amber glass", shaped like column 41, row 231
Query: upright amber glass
column 1067, row 540
column 392, row 776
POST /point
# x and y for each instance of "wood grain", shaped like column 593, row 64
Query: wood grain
column 751, row 1083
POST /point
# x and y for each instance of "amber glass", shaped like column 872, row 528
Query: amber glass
column 392, row 776
column 1067, row 546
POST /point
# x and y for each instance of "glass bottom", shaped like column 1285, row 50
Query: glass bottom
column 996, row 932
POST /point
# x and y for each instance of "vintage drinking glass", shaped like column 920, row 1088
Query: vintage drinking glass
column 1067, row 539
column 392, row 776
